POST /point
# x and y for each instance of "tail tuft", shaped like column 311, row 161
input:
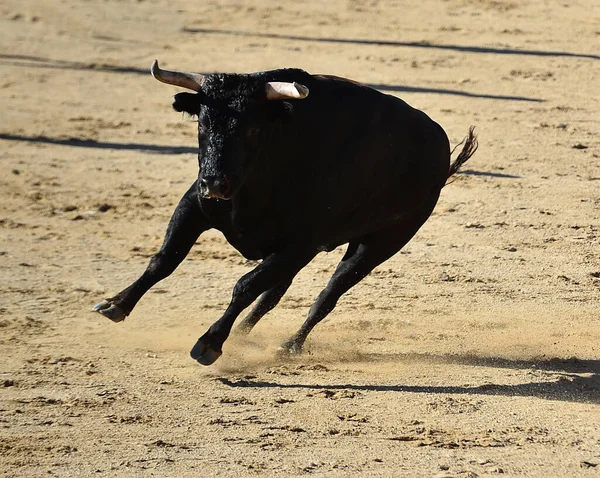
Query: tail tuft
column 469, row 148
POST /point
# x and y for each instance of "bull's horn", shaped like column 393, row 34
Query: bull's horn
column 278, row 90
column 192, row 81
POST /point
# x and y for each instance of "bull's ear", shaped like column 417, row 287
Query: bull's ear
column 187, row 102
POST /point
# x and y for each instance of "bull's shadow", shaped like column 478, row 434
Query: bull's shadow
column 396, row 43
column 89, row 143
column 29, row 61
column 37, row 62
column 447, row 91
column 574, row 380
column 490, row 174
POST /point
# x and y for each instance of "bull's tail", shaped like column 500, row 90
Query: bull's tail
column 468, row 150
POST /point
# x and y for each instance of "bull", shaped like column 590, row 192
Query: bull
column 290, row 165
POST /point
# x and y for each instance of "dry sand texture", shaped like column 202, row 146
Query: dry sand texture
column 473, row 352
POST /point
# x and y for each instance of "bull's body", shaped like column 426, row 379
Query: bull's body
column 347, row 164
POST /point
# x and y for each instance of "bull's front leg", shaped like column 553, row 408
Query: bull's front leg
column 186, row 224
column 278, row 268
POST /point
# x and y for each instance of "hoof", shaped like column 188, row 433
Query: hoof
column 291, row 347
column 204, row 353
column 110, row 310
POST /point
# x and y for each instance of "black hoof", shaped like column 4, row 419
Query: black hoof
column 291, row 347
column 204, row 353
column 110, row 311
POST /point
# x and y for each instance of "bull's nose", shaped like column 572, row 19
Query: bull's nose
column 215, row 187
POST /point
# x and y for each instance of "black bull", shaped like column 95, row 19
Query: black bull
column 293, row 164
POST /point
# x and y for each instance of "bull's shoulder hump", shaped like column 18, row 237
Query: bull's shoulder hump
column 339, row 78
column 340, row 83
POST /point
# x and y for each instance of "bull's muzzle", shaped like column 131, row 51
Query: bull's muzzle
column 215, row 187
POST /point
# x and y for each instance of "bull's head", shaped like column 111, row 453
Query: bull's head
column 233, row 122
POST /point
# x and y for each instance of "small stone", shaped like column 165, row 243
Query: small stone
column 105, row 207
column 474, row 225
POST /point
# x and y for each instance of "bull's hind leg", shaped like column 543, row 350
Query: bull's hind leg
column 265, row 303
column 360, row 259
column 186, row 224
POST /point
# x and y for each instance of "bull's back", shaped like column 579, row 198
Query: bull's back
column 367, row 159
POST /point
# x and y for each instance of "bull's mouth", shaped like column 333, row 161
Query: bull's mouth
column 215, row 195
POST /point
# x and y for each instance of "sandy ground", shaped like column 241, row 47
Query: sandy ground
column 473, row 352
